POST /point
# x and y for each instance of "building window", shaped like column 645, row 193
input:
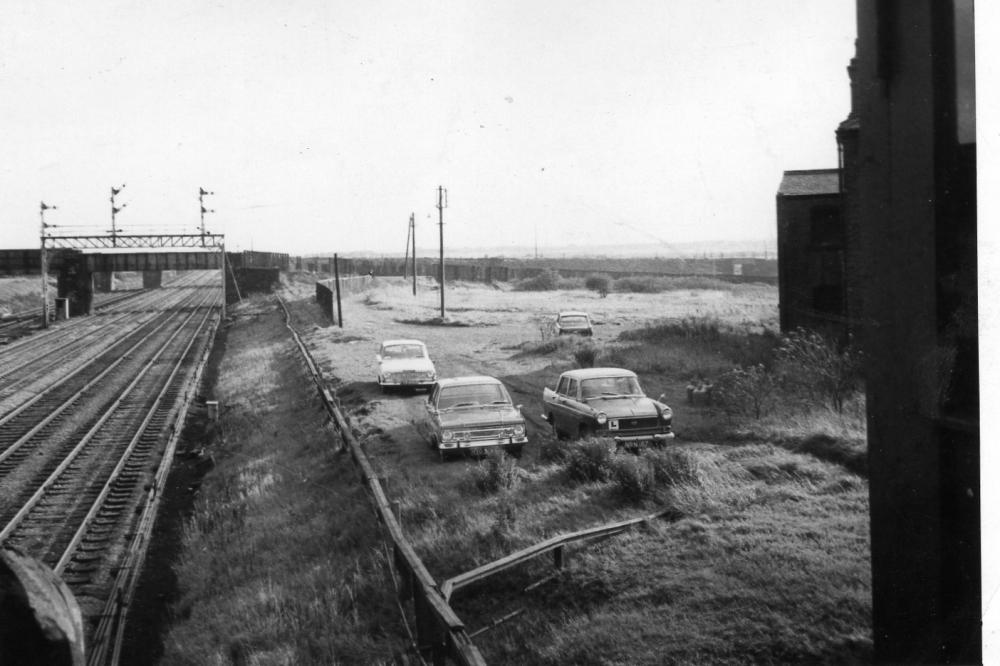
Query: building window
column 825, row 229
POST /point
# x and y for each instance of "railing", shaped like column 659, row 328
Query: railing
column 555, row 545
column 440, row 633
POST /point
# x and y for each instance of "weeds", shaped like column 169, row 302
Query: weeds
column 496, row 472
column 591, row 460
column 675, row 466
column 585, row 355
column 555, row 450
column 633, row 476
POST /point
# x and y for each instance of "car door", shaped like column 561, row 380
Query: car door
column 566, row 419
column 574, row 410
column 556, row 406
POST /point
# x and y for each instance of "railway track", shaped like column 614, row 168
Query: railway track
column 83, row 454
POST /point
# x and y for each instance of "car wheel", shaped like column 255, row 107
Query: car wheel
column 514, row 450
column 585, row 432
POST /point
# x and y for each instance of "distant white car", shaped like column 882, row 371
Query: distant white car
column 573, row 322
column 404, row 363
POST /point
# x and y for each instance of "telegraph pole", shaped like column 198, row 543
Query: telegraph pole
column 202, row 193
column 441, row 205
column 406, row 256
column 413, row 236
column 45, row 264
column 115, row 211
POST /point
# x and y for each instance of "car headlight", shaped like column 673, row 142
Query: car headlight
column 447, row 435
column 602, row 418
column 519, row 430
column 666, row 415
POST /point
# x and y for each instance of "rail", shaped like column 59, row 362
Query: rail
column 440, row 632
column 109, row 635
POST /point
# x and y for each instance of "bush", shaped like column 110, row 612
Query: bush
column 634, row 477
column 585, row 355
column 598, row 282
column 641, row 285
column 819, row 365
column 555, row 450
column 547, row 280
column 497, row 471
column 591, row 460
column 751, row 391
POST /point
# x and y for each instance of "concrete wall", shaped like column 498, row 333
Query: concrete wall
column 508, row 270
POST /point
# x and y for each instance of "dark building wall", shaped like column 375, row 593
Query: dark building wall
column 917, row 221
column 811, row 263
column 855, row 274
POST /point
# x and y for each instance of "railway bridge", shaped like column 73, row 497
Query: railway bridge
column 84, row 264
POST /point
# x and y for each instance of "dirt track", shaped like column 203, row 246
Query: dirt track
column 485, row 328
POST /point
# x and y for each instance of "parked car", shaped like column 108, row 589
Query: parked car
column 404, row 363
column 606, row 402
column 574, row 322
column 472, row 414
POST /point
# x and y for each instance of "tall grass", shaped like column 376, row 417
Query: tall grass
column 281, row 562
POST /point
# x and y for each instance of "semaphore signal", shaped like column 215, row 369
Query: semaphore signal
column 114, row 211
column 202, row 193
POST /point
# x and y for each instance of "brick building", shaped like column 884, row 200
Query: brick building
column 811, row 257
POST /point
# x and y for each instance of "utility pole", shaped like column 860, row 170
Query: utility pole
column 406, row 256
column 45, row 264
column 336, row 282
column 441, row 205
column 202, row 193
column 413, row 236
column 115, row 211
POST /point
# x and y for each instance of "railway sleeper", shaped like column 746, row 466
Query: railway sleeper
column 84, row 557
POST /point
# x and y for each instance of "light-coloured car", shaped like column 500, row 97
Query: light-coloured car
column 573, row 321
column 404, row 363
column 472, row 414
column 606, row 402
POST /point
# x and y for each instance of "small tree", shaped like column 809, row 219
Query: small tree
column 598, row 282
column 822, row 365
column 751, row 390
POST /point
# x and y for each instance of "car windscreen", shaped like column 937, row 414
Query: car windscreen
column 605, row 386
column 403, row 351
column 471, row 394
column 573, row 320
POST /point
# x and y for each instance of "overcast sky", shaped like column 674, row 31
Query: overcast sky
column 321, row 125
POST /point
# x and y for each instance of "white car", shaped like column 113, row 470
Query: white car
column 404, row 363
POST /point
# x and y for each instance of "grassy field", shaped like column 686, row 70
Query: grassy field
column 763, row 557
